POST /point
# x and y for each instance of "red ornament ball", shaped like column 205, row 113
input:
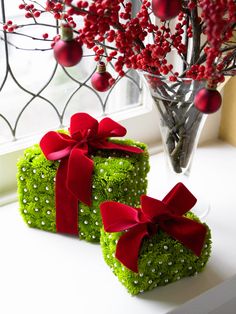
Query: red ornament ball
column 101, row 80
column 166, row 9
column 67, row 52
column 207, row 100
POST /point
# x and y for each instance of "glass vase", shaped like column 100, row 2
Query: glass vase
column 180, row 125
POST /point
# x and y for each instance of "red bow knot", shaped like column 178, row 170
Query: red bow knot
column 145, row 221
column 74, row 175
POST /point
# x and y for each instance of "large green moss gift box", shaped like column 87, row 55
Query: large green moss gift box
column 156, row 246
column 117, row 175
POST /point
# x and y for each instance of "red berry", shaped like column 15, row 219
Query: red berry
column 28, row 15
column 21, row 6
column 57, row 16
column 101, row 80
column 37, row 14
column 112, row 81
column 49, row 5
column 207, row 100
column 45, row 35
column 166, row 9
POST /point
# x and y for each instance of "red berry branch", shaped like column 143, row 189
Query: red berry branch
column 199, row 35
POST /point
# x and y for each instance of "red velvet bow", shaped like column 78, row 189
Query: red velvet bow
column 74, row 175
column 145, row 221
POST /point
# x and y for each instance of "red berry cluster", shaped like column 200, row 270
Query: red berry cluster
column 219, row 17
column 111, row 21
column 112, row 31
column 57, row 8
column 9, row 26
column 30, row 10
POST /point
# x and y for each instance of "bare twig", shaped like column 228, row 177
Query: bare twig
column 196, row 29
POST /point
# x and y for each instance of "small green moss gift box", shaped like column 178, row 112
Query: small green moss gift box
column 116, row 174
column 157, row 244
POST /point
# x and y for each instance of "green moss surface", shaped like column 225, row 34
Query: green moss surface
column 118, row 176
column 162, row 260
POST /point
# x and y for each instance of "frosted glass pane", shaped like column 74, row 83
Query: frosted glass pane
column 38, row 95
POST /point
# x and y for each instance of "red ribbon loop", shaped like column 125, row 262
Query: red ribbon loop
column 74, row 175
column 145, row 221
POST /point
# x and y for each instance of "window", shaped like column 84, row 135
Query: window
column 42, row 87
column 37, row 94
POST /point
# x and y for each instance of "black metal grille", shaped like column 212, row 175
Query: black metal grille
column 36, row 101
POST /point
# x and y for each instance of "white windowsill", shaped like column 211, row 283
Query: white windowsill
column 49, row 273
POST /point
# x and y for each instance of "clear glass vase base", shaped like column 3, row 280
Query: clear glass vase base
column 202, row 209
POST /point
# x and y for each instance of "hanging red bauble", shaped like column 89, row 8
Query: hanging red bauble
column 67, row 50
column 207, row 100
column 166, row 9
column 101, row 79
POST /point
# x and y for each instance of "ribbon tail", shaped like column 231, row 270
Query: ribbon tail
column 66, row 203
column 110, row 145
column 79, row 179
column 190, row 233
column 128, row 246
